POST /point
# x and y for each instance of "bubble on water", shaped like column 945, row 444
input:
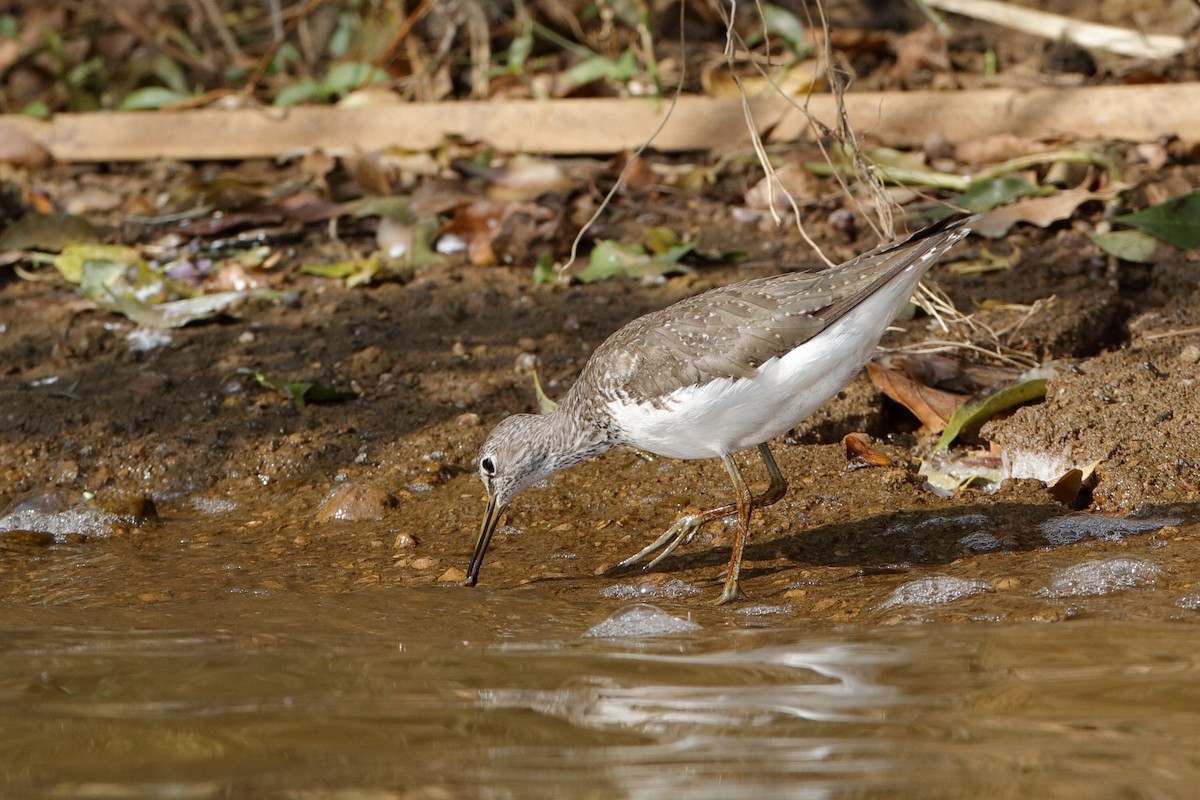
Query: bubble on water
column 213, row 505
column 763, row 610
column 980, row 542
column 640, row 621
column 934, row 591
column 671, row 589
column 1068, row 530
column 1189, row 602
column 1101, row 577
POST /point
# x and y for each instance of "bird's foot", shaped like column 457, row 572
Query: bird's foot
column 732, row 593
column 680, row 533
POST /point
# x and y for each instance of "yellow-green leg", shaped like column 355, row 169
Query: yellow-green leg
column 685, row 527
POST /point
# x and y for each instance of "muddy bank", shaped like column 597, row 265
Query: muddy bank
column 238, row 476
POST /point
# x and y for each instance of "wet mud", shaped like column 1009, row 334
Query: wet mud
column 177, row 479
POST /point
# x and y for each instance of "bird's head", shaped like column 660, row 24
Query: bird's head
column 515, row 455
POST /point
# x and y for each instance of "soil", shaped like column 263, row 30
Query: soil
column 175, row 478
column 222, row 486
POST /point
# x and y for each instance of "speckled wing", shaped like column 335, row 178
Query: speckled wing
column 729, row 332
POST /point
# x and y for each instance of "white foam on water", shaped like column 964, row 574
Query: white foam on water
column 1092, row 578
column 934, row 591
column 1070, row 529
column 640, row 621
column 672, row 589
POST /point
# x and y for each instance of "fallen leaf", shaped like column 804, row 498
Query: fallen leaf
column 1135, row 246
column 1176, row 222
column 18, row 149
column 978, row 410
column 1040, row 211
column 859, row 454
column 933, row 407
column 299, row 392
column 177, row 313
column 1000, row 147
column 49, row 232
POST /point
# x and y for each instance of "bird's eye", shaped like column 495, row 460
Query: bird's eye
column 488, row 467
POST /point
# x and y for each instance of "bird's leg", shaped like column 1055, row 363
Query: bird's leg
column 745, row 500
column 685, row 527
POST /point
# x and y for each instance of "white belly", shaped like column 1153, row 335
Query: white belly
column 727, row 415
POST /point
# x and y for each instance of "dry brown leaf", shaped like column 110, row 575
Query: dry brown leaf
column 933, row 407
column 1040, row 211
column 1000, row 147
column 718, row 81
column 859, row 454
column 791, row 179
column 923, row 48
column 19, row 149
column 526, row 177
column 485, row 224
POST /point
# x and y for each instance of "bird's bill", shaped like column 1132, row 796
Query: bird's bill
column 490, row 519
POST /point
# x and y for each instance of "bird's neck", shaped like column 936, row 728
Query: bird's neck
column 573, row 435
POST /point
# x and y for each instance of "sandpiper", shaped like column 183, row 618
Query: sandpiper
column 711, row 375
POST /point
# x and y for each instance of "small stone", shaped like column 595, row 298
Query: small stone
column 452, row 575
column 356, row 503
column 467, row 420
column 129, row 505
column 368, row 364
column 404, row 541
column 526, row 364
column 27, row 538
column 425, row 562
column 1049, row 614
column 148, row 384
column 1190, row 354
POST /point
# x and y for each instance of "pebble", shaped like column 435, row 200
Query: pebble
column 356, row 503
column 453, row 575
column 404, row 541
column 1190, row 354
column 129, row 505
column 27, row 538
column 425, row 562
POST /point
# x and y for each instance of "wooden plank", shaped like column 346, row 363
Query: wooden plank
column 904, row 119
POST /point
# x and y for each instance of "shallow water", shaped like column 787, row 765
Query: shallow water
column 449, row 693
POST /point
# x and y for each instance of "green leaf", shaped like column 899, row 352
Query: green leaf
column 177, row 313
column 543, row 271
column 343, row 35
column 350, row 75
column 299, row 92
column 784, row 24
column 979, row 410
column 600, row 68
column 36, row 109
column 100, row 259
column 984, row 195
column 1135, row 246
column 151, row 97
column 47, row 232
column 519, row 50
column 611, row 259
column 1176, row 221
column 169, row 72
column 354, row 272
column 299, row 392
